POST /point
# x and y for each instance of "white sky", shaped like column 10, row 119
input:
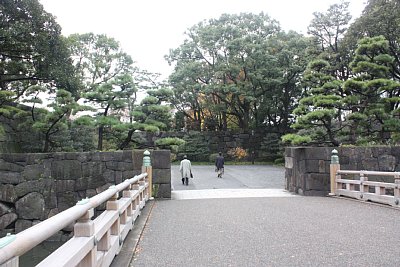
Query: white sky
column 147, row 29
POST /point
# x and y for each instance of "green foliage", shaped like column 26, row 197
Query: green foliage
column 279, row 161
column 106, row 74
column 151, row 128
column 195, row 147
column 82, row 137
column 150, row 100
column 32, row 49
column 53, row 121
column 296, row 139
column 179, row 121
column 171, row 143
column 373, row 108
column 320, row 109
column 328, row 30
column 379, row 18
column 233, row 72
column 213, row 157
column 237, row 72
column 153, row 115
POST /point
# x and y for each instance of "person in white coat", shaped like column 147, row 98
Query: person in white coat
column 186, row 170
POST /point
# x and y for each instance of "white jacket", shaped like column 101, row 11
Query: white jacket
column 185, row 168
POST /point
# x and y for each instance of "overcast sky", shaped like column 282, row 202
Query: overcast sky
column 147, row 29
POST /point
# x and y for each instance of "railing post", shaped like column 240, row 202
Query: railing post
column 363, row 187
column 149, row 170
column 334, row 167
column 112, row 204
column 14, row 262
column 128, row 194
column 85, row 228
column 397, row 190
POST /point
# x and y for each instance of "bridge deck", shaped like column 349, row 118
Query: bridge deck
column 203, row 226
column 286, row 231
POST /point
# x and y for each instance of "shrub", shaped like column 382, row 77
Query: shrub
column 279, row 161
column 296, row 139
column 171, row 143
column 213, row 157
column 196, row 147
column 237, row 153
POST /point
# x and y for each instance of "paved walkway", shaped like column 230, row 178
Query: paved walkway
column 255, row 223
column 229, row 193
column 284, row 231
column 235, row 177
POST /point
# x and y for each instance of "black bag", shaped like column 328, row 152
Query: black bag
column 191, row 174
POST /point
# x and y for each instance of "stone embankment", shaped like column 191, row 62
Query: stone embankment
column 34, row 187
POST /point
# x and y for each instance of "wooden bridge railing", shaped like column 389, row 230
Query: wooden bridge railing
column 361, row 188
column 95, row 242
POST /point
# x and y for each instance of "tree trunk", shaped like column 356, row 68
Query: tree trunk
column 127, row 140
column 46, row 144
column 224, row 121
column 100, row 141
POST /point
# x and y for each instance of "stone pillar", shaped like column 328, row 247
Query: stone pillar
column 334, row 167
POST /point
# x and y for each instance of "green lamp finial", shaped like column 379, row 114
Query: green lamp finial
column 7, row 240
column 335, row 157
column 146, row 158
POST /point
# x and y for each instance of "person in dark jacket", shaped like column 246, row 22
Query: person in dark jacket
column 219, row 165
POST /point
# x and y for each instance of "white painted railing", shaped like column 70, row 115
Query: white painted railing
column 386, row 193
column 361, row 188
column 95, row 242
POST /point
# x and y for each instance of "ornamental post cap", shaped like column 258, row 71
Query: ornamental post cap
column 334, row 157
column 7, row 240
column 146, row 158
column 83, row 201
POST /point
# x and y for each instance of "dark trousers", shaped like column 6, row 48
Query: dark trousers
column 185, row 179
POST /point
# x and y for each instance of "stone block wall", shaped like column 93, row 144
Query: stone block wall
column 307, row 168
column 264, row 144
column 34, row 187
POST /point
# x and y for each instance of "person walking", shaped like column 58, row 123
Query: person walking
column 219, row 165
column 186, row 170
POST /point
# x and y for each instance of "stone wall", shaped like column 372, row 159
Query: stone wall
column 12, row 136
column 307, row 168
column 264, row 144
column 34, row 187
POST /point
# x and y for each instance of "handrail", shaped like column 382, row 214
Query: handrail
column 33, row 236
column 394, row 174
column 362, row 191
